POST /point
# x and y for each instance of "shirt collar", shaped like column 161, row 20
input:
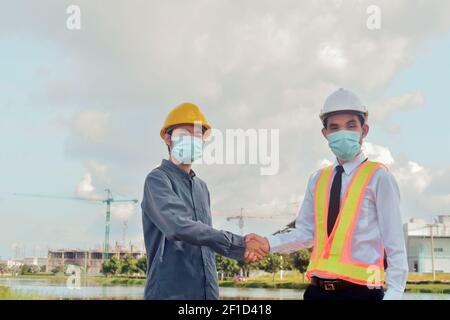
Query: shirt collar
column 172, row 167
column 351, row 165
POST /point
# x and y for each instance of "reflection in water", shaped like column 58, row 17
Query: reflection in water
column 89, row 289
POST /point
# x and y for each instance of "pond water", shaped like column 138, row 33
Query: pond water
column 89, row 289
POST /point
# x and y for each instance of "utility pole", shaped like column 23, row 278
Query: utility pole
column 124, row 234
column 432, row 251
column 107, row 223
column 241, row 222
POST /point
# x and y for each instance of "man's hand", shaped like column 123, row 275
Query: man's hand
column 256, row 247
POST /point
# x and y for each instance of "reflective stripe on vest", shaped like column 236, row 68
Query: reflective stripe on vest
column 331, row 256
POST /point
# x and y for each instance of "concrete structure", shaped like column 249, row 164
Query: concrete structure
column 421, row 236
column 88, row 260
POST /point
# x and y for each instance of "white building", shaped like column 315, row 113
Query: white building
column 421, row 236
column 35, row 261
column 14, row 263
column 32, row 261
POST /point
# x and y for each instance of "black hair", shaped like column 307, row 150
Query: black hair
column 361, row 117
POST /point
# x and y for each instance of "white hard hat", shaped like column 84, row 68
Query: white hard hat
column 342, row 100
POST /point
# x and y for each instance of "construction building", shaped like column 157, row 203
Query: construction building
column 88, row 260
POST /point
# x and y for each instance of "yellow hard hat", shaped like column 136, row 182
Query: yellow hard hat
column 185, row 113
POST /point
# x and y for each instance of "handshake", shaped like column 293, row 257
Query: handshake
column 256, row 248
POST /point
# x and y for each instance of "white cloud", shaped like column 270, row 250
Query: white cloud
column 423, row 190
column 378, row 153
column 100, row 171
column 97, row 172
column 411, row 175
column 85, row 188
column 123, row 211
column 332, row 56
column 91, row 125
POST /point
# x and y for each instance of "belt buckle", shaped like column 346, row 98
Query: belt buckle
column 328, row 286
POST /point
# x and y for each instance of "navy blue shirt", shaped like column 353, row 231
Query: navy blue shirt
column 179, row 238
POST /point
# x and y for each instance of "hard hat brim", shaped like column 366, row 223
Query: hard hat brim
column 351, row 111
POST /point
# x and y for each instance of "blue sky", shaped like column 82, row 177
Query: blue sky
column 424, row 132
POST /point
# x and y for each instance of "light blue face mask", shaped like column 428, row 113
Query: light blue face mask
column 187, row 149
column 345, row 144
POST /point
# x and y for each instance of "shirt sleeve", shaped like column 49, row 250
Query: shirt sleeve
column 167, row 211
column 391, row 228
column 302, row 236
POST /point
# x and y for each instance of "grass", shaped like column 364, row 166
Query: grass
column 8, row 294
column 417, row 283
column 428, row 288
column 119, row 281
column 440, row 277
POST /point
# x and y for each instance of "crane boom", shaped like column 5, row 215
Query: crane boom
column 241, row 218
column 36, row 195
column 109, row 200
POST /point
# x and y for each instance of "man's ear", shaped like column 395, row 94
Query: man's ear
column 324, row 133
column 167, row 139
column 365, row 130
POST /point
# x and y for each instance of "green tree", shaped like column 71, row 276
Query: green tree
column 244, row 267
column 300, row 260
column 220, row 266
column 272, row 264
column 129, row 265
column 142, row 264
column 111, row 266
column 35, row 269
column 226, row 267
column 57, row 269
column 25, row 268
column 3, row 268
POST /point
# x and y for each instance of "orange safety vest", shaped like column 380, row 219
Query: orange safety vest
column 331, row 256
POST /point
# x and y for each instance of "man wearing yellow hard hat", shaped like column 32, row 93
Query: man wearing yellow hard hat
column 179, row 238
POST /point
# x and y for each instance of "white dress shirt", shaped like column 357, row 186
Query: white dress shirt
column 379, row 223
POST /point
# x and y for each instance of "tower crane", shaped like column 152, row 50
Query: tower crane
column 108, row 200
column 241, row 218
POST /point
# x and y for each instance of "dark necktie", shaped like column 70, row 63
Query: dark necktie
column 335, row 199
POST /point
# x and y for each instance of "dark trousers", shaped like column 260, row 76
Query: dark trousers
column 354, row 293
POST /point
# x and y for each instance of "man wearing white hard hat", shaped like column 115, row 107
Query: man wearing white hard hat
column 350, row 216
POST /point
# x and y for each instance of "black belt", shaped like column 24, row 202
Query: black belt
column 333, row 284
